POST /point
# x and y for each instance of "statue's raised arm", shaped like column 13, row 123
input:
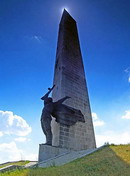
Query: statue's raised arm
column 47, row 94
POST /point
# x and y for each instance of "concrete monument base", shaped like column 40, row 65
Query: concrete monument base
column 47, row 152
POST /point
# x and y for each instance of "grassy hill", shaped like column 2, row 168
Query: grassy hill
column 19, row 163
column 113, row 160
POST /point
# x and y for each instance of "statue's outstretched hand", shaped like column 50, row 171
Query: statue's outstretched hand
column 51, row 88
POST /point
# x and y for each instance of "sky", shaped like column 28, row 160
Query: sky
column 28, row 41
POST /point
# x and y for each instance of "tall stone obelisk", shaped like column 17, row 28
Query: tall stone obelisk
column 69, row 78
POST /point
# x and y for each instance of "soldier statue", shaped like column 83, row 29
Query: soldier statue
column 64, row 114
column 47, row 111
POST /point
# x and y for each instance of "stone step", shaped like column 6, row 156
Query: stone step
column 30, row 164
column 10, row 167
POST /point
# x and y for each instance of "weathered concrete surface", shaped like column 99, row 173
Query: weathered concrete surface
column 69, row 78
column 47, row 152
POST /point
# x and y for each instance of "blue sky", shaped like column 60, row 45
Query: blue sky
column 28, row 37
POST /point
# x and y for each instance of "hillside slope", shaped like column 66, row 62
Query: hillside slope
column 109, row 161
column 19, row 163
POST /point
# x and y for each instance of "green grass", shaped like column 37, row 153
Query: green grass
column 110, row 161
column 17, row 172
column 19, row 163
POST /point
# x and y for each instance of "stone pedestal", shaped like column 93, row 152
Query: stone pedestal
column 48, row 152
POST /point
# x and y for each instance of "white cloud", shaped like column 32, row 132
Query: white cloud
column 127, row 115
column 13, row 124
column 37, row 38
column 17, row 129
column 21, row 139
column 129, row 79
column 31, row 157
column 10, row 152
column 1, row 134
column 127, row 70
column 96, row 120
column 113, row 138
column 107, row 134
